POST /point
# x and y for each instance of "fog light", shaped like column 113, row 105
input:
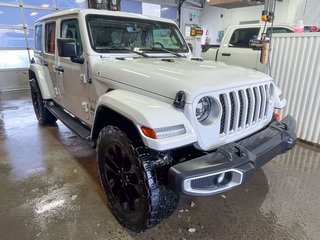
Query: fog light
column 221, row 178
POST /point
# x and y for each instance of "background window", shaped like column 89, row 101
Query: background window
column 38, row 37
column 241, row 37
column 31, row 15
column 10, row 16
column 12, row 38
column 70, row 29
column 131, row 6
column 278, row 30
column 169, row 12
column 39, row 3
column 72, row 4
column 50, row 37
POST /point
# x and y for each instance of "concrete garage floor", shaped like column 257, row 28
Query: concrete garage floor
column 50, row 190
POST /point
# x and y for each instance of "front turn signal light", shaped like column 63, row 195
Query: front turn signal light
column 148, row 132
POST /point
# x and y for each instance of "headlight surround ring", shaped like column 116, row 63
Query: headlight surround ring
column 207, row 110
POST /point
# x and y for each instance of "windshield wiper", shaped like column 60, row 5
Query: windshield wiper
column 124, row 49
column 165, row 50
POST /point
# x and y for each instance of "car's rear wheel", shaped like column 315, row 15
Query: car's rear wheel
column 136, row 198
column 43, row 115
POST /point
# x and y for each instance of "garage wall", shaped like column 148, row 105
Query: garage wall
column 309, row 12
column 295, row 69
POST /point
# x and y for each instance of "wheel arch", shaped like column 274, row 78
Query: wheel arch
column 42, row 76
column 133, row 111
column 106, row 116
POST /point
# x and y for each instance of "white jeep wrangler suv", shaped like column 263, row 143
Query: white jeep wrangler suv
column 163, row 122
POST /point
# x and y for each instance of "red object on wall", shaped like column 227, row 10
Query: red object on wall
column 314, row 29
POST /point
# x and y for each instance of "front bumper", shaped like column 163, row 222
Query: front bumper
column 234, row 163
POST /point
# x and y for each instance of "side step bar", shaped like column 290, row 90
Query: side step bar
column 72, row 123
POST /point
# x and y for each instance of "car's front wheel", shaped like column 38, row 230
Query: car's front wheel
column 136, row 198
column 43, row 115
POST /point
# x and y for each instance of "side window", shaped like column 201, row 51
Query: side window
column 70, row 29
column 278, row 30
column 241, row 37
column 50, row 34
column 38, row 38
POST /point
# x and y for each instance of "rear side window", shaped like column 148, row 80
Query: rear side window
column 38, row 38
column 50, row 34
column 241, row 37
column 278, row 30
column 70, row 29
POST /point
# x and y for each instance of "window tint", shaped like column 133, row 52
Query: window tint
column 241, row 37
column 70, row 29
column 278, row 30
column 50, row 37
column 38, row 37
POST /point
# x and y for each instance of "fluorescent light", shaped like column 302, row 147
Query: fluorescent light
column 33, row 14
column 165, row 8
column 79, row 1
column 45, row 5
column 1, row 12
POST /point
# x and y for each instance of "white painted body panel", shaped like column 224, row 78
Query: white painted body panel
column 44, row 80
column 166, row 78
column 146, row 111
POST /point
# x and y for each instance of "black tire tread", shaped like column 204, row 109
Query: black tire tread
column 162, row 201
column 44, row 116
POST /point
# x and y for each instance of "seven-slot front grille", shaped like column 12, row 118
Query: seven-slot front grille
column 243, row 108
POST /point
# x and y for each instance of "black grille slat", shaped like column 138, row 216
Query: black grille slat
column 249, row 105
column 241, row 108
column 232, row 111
column 267, row 100
column 223, row 116
column 256, row 101
column 262, row 101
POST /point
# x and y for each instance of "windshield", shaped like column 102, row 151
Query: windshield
column 109, row 34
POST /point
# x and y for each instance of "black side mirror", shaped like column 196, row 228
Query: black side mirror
column 191, row 47
column 67, row 47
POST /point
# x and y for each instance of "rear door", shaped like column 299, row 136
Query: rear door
column 237, row 50
column 49, row 53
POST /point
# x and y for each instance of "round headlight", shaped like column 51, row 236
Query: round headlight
column 203, row 109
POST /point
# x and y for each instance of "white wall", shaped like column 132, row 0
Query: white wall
column 211, row 20
column 185, row 20
column 309, row 12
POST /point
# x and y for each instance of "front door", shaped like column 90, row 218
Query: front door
column 71, row 74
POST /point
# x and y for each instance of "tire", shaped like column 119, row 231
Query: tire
column 44, row 116
column 136, row 198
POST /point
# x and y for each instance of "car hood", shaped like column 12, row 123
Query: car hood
column 166, row 77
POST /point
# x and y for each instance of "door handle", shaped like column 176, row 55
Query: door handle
column 59, row 69
column 226, row 54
